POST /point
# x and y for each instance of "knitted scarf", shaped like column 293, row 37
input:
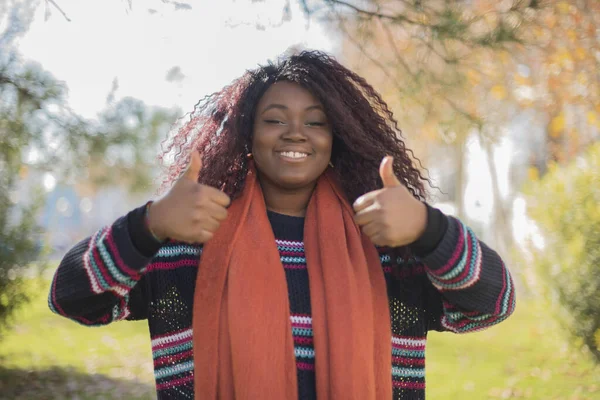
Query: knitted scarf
column 243, row 345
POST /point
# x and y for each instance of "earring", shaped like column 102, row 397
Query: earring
column 249, row 156
column 330, row 164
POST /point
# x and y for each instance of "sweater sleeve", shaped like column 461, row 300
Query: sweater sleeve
column 101, row 279
column 474, row 288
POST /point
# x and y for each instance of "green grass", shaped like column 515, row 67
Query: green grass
column 62, row 355
column 48, row 357
column 526, row 356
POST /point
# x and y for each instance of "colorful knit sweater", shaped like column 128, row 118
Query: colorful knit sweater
column 452, row 283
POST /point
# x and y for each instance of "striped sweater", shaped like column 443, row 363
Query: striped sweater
column 453, row 282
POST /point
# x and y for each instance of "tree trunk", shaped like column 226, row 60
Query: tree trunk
column 459, row 188
column 502, row 210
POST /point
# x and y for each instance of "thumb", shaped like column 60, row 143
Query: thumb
column 386, row 172
column 194, row 167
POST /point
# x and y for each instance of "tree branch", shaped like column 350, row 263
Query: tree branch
column 373, row 14
column 397, row 55
column 52, row 2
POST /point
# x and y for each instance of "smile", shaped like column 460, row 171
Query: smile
column 294, row 155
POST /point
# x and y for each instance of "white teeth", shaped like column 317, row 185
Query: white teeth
column 293, row 154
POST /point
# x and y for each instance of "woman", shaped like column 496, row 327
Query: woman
column 293, row 255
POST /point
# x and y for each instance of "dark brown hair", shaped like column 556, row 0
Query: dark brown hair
column 364, row 129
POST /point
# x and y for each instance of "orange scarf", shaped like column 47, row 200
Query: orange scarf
column 243, row 345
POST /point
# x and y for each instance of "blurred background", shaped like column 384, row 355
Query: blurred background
column 500, row 100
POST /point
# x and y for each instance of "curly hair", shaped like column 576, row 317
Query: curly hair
column 364, row 129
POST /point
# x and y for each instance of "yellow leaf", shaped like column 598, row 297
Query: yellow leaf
column 491, row 18
column 582, row 78
column 521, row 80
column 525, row 103
column 572, row 34
column 563, row 7
column 592, row 118
column 533, row 174
column 557, row 125
column 424, row 19
column 473, row 77
column 499, row 92
column 551, row 21
column 565, row 58
column 597, row 339
column 580, row 53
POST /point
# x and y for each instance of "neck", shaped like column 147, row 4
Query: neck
column 288, row 202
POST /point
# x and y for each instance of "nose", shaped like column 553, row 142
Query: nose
column 295, row 133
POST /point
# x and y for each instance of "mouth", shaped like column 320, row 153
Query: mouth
column 294, row 156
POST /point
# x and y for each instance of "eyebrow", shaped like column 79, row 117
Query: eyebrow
column 283, row 107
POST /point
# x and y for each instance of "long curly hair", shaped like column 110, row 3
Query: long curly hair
column 364, row 129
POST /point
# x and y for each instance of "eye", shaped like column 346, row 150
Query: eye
column 274, row 122
column 315, row 124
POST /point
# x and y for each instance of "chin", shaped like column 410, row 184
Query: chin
column 295, row 181
column 286, row 178
column 291, row 183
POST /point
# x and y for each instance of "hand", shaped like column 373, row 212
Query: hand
column 391, row 216
column 190, row 212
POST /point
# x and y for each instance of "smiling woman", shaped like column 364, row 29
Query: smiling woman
column 291, row 146
column 293, row 255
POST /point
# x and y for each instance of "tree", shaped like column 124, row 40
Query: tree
column 564, row 204
column 453, row 70
column 425, row 58
column 38, row 131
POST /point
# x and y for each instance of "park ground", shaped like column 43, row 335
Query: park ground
column 44, row 356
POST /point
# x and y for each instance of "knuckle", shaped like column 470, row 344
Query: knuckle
column 200, row 190
column 199, row 201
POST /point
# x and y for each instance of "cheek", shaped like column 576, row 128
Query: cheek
column 325, row 143
column 260, row 141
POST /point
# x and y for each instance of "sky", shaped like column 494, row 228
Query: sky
column 213, row 43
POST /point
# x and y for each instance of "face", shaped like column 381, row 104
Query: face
column 292, row 137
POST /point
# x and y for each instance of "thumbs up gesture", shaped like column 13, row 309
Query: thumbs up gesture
column 189, row 212
column 390, row 216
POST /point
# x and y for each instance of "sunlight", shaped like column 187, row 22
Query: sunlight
column 140, row 46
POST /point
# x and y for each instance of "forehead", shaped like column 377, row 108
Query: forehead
column 288, row 94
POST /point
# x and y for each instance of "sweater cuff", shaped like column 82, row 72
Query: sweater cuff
column 140, row 235
column 437, row 225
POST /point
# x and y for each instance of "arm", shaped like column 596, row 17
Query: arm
column 100, row 280
column 473, row 285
